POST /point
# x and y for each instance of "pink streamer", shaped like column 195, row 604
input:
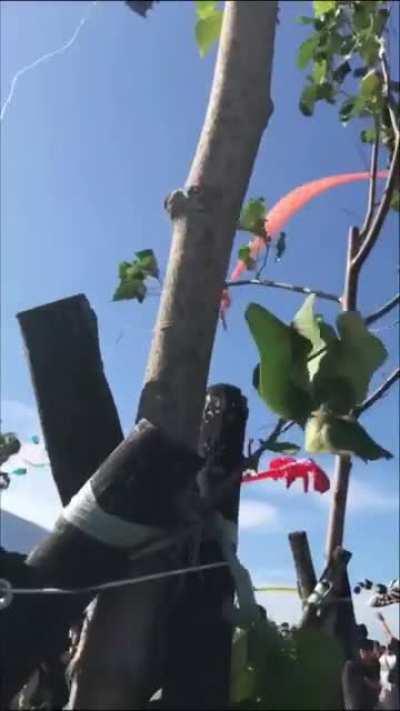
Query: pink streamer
column 288, row 206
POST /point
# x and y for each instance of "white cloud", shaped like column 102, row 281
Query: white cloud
column 19, row 418
column 254, row 513
column 366, row 497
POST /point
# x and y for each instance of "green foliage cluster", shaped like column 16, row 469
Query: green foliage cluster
column 317, row 376
column 272, row 671
column 346, row 55
column 133, row 275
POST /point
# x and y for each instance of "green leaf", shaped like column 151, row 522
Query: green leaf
column 340, row 370
column 339, row 435
column 369, row 49
column 368, row 135
column 308, row 100
column 207, row 31
column 395, row 201
column 283, row 375
column 245, row 255
column 362, row 18
column 130, row 289
column 321, row 7
column 370, row 84
column 123, row 269
column 319, row 71
column 147, row 263
column 346, row 369
column 303, row 20
column 252, row 217
column 205, row 8
column 307, row 325
column 326, row 91
column 306, row 51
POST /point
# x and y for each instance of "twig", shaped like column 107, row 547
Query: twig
column 369, row 238
column 375, row 315
column 287, row 287
column 392, row 114
column 372, row 184
column 379, row 392
column 253, row 458
column 377, row 221
column 264, row 261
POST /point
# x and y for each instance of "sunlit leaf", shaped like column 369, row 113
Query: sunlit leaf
column 252, row 216
column 306, row 51
column 283, row 376
column 339, row 435
column 205, row 8
column 321, row 7
column 245, row 255
column 208, row 30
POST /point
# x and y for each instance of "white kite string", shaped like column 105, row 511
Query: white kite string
column 49, row 55
column 7, row 591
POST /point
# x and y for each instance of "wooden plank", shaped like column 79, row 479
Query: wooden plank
column 200, row 635
column 306, row 578
column 78, row 416
column 131, row 485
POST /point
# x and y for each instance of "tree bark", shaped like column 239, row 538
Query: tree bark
column 343, row 464
column 204, row 219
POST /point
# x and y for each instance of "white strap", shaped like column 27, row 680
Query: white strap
column 226, row 533
column 84, row 512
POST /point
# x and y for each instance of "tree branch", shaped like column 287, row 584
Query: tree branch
column 287, row 287
column 253, row 458
column 383, row 310
column 379, row 392
column 371, row 229
column 392, row 113
column 372, row 184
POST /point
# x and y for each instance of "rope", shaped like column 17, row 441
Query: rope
column 7, row 591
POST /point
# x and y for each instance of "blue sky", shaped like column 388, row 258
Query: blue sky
column 92, row 142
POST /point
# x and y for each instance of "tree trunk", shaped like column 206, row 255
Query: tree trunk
column 204, row 218
column 343, row 464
